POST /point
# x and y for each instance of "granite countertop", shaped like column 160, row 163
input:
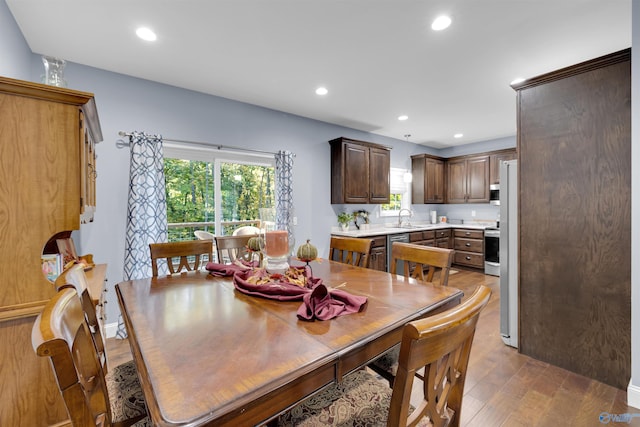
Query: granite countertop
column 384, row 229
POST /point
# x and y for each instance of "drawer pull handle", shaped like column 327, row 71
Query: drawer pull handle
column 467, row 234
column 467, row 244
column 468, row 258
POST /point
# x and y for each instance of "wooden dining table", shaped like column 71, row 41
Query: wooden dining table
column 208, row 354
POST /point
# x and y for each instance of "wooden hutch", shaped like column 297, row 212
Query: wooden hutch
column 47, row 186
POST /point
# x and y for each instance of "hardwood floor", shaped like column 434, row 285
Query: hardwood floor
column 504, row 387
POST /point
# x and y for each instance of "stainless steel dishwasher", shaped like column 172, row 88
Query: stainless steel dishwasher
column 401, row 237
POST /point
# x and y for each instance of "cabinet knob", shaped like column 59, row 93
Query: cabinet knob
column 468, row 258
column 467, row 244
column 467, row 233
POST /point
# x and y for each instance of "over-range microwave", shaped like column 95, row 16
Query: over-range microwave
column 494, row 194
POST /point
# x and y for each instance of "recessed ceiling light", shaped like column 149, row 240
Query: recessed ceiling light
column 517, row 80
column 322, row 91
column 403, row 117
column 458, row 135
column 440, row 23
column 146, row 34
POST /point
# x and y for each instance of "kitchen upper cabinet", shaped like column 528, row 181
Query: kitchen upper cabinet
column 468, row 179
column 497, row 158
column 428, row 179
column 359, row 172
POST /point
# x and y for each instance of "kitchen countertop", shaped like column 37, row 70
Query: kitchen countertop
column 384, row 229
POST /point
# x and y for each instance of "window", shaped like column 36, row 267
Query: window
column 399, row 197
column 216, row 191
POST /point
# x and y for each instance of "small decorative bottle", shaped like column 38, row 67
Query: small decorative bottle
column 54, row 71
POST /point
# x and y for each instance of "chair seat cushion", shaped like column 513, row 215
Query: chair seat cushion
column 125, row 393
column 362, row 399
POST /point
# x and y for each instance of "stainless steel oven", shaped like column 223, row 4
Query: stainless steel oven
column 492, row 251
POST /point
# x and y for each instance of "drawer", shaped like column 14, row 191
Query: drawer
column 442, row 233
column 442, row 243
column 468, row 245
column 470, row 234
column 419, row 236
column 379, row 241
column 415, row 237
column 469, row 258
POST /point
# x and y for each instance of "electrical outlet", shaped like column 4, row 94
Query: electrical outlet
column 473, row 214
column 295, row 220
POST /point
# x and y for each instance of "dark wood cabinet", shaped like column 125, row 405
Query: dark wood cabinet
column 468, row 179
column 443, row 239
column 378, row 256
column 496, row 159
column 428, row 179
column 469, row 247
column 359, row 172
column 574, row 148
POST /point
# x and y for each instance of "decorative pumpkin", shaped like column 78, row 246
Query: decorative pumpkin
column 307, row 252
column 254, row 243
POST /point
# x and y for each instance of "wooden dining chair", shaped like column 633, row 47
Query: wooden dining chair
column 74, row 277
column 181, row 251
column 92, row 397
column 232, row 248
column 416, row 259
column 413, row 260
column 439, row 345
column 350, row 250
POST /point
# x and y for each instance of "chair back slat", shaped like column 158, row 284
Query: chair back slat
column 182, row 251
column 440, row 344
column 350, row 250
column 415, row 259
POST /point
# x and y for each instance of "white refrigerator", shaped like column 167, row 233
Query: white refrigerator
column 509, row 252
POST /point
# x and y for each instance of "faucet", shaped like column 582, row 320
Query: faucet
column 400, row 216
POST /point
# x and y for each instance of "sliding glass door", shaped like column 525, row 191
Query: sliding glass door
column 215, row 191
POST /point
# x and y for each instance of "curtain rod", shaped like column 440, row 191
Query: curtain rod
column 121, row 144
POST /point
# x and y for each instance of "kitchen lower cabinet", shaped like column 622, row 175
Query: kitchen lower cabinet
column 469, row 247
column 443, row 239
column 378, row 255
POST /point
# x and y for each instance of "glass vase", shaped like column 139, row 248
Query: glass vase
column 54, row 71
column 277, row 240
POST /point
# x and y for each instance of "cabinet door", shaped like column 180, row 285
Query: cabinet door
column 356, row 173
column 379, row 165
column 478, row 180
column 378, row 258
column 496, row 159
column 457, row 181
column 434, row 181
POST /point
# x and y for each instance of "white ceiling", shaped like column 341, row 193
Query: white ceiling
column 378, row 58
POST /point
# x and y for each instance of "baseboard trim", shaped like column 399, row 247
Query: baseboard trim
column 110, row 329
column 633, row 395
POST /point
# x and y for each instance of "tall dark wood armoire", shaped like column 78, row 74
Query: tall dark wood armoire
column 574, row 146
